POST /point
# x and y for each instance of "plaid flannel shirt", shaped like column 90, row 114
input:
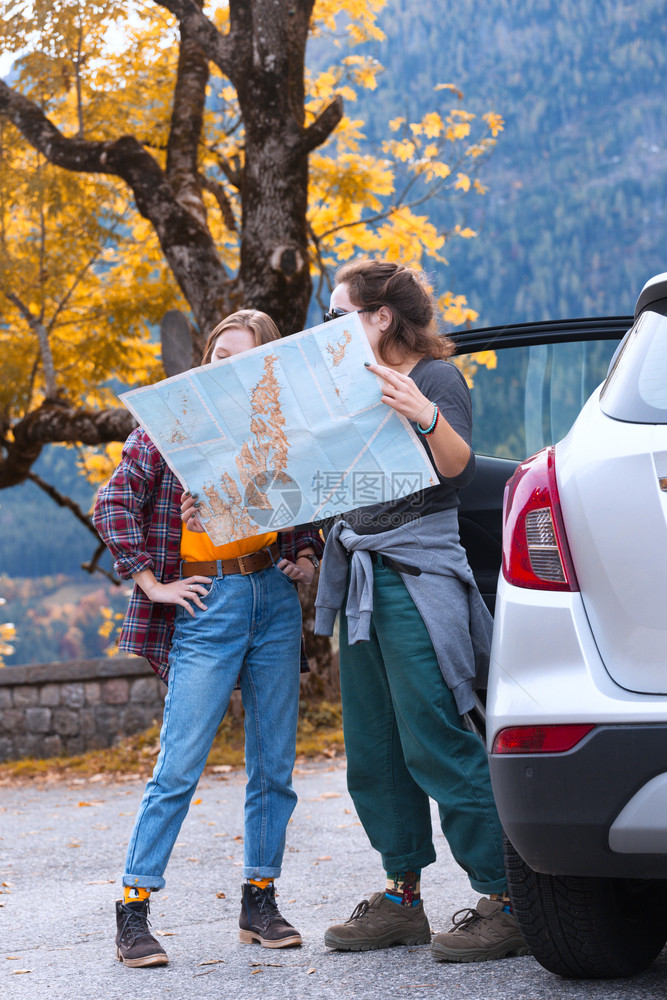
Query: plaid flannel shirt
column 138, row 516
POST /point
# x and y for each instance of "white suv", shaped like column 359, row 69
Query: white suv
column 577, row 698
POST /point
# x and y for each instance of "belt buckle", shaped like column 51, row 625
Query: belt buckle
column 241, row 560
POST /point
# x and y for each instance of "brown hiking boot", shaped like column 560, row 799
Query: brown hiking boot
column 262, row 921
column 135, row 945
column 380, row 923
column 480, row 934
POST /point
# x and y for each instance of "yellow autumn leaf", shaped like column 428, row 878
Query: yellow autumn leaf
column 432, row 124
column 462, row 182
column 437, row 169
column 495, row 122
column 487, row 358
column 404, row 150
column 460, row 130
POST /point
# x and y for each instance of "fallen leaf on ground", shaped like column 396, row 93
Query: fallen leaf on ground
column 165, row 933
column 310, row 972
column 212, row 961
column 221, row 768
column 197, row 802
column 20, row 972
column 13, row 958
column 325, row 857
column 102, row 881
column 220, row 895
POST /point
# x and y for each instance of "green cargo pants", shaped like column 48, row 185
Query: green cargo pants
column 406, row 742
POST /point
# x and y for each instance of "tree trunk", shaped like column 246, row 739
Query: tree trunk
column 323, row 681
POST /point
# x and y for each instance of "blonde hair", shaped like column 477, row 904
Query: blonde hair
column 258, row 323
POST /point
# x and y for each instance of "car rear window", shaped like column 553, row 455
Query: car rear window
column 636, row 388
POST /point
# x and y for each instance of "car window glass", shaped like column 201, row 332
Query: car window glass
column 636, row 389
column 528, row 397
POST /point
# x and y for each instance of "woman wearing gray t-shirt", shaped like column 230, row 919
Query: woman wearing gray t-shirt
column 414, row 640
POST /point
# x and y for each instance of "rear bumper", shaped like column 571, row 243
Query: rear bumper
column 558, row 809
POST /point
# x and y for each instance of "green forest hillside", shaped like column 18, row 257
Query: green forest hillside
column 574, row 221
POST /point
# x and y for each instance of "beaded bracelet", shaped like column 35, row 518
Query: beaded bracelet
column 431, row 427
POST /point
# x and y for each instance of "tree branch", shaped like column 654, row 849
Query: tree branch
column 218, row 48
column 92, row 566
column 42, row 335
column 186, row 125
column 220, row 195
column 320, row 130
column 187, row 244
column 57, row 422
column 62, row 501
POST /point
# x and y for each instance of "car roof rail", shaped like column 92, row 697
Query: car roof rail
column 548, row 331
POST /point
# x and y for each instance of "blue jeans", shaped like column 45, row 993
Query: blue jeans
column 250, row 631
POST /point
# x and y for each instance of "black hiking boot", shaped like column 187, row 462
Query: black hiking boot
column 262, row 921
column 135, row 945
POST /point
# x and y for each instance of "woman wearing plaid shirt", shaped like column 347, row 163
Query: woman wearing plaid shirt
column 205, row 617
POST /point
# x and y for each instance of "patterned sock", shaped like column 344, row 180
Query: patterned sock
column 263, row 883
column 504, row 898
column 403, row 888
column 134, row 893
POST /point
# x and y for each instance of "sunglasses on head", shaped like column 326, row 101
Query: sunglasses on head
column 337, row 313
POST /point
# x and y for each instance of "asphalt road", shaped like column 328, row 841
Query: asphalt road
column 61, row 852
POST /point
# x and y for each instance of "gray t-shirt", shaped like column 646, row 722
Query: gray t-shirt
column 443, row 384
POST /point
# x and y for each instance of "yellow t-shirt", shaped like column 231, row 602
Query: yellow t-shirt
column 198, row 547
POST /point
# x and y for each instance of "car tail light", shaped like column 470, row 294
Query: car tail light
column 540, row 739
column 535, row 550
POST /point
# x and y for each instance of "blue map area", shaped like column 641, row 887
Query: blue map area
column 290, row 432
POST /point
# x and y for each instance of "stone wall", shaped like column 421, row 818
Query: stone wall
column 68, row 708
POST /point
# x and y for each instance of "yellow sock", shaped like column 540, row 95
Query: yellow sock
column 263, row 883
column 134, row 893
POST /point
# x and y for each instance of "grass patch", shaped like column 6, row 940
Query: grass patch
column 319, row 736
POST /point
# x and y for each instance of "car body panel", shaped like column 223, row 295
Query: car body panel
column 608, row 476
column 557, row 808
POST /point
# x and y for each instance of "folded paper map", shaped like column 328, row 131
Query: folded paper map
column 291, row 432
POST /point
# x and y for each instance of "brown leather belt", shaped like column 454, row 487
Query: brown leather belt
column 251, row 563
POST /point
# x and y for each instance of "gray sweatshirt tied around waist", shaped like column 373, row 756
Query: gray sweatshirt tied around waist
column 445, row 594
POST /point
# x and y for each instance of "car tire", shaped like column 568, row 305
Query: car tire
column 587, row 928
